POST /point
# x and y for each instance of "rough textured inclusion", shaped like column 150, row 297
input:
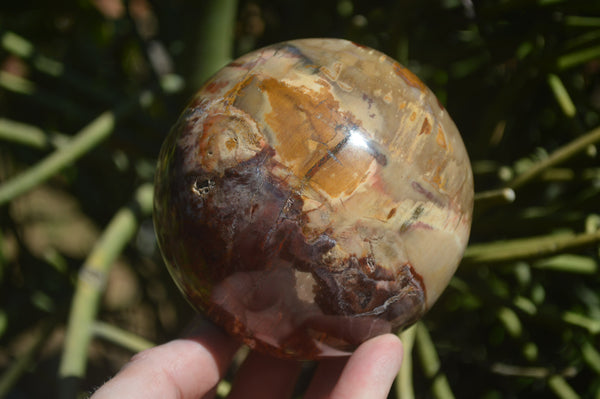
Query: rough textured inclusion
column 312, row 195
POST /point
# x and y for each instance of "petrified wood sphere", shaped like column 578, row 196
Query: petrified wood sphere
column 312, row 195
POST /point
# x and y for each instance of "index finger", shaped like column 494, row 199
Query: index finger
column 183, row 368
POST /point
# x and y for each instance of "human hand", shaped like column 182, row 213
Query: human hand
column 192, row 368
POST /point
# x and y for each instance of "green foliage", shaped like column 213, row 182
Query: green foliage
column 89, row 89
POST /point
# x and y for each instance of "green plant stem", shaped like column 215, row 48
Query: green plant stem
column 510, row 321
column 578, row 57
column 557, row 157
column 23, row 134
column 504, row 251
column 223, row 388
column 587, row 38
column 16, row 84
column 571, row 262
column 404, row 382
column 486, row 199
column 89, row 137
column 591, row 356
column 29, row 135
column 22, row 86
column 431, row 364
column 212, row 43
column 561, row 388
column 579, row 21
column 562, row 174
column 85, row 140
column 23, row 48
column 579, row 320
column 562, row 95
column 90, row 286
column 120, row 337
column 520, row 371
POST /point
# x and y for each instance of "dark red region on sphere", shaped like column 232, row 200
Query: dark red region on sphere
column 237, row 239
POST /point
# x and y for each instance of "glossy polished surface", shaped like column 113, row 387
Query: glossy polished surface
column 313, row 194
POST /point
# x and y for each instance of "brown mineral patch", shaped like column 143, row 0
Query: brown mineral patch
column 232, row 94
column 298, row 120
column 230, row 144
column 426, row 127
column 437, row 177
column 391, row 213
column 441, row 139
column 409, row 78
column 363, row 288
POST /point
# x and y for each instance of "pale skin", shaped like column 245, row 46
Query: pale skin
column 192, row 367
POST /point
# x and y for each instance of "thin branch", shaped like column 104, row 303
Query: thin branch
column 85, row 140
column 430, row 362
column 579, row 57
column 16, row 84
column 23, row 48
column 404, row 382
column 591, row 356
column 520, row 371
column 120, row 337
column 486, row 199
column 212, row 43
column 568, row 262
column 529, row 371
column 29, row 135
column 505, row 251
column 579, row 320
column 560, row 155
column 22, row 86
column 90, row 286
column 561, row 388
column 562, row 95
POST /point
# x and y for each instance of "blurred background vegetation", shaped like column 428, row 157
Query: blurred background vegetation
column 89, row 89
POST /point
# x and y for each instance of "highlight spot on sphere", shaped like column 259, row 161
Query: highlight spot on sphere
column 312, row 195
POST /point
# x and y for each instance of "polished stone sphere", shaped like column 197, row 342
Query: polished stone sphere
column 312, row 195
